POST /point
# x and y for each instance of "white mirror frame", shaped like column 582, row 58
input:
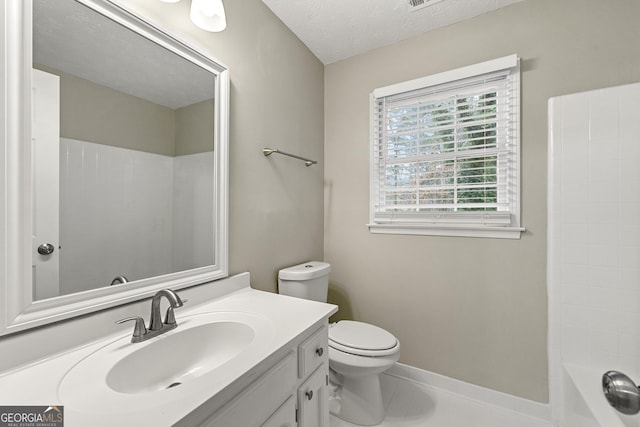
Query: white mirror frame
column 19, row 311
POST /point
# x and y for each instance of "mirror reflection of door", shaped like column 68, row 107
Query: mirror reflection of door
column 45, row 149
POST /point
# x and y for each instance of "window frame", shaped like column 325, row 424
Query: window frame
column 486, row 224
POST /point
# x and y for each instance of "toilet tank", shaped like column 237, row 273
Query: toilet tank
column 309, row 280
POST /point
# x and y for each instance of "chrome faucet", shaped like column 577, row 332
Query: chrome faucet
column 156, row 325
column 118, row 280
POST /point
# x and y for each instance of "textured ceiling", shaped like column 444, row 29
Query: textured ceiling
column 70, row 37
column 337, row 29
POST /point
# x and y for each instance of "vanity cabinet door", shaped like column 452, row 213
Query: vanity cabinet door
column 259, row 400
column 313, row 351
column 285, row 415
column 313, row 400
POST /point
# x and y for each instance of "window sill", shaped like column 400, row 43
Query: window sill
column 448, row 230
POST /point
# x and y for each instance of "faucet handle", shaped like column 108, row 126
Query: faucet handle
column 139, row 329
column 170, row 317
column 179, row 301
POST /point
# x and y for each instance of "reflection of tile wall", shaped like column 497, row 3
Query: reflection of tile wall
column 119, row 200
column 193, row 211
column 594, row 232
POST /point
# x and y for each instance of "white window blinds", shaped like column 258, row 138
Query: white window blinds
column 447, row 152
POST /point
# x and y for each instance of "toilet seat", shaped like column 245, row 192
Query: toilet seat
column 361, row 339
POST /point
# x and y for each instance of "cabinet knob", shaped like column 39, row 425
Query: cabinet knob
column 320, row 351
column 309, row 394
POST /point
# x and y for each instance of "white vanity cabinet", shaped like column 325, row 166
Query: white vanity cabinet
column 291, row 392
column 285, row 415
column 313, row 369
column 313, row 408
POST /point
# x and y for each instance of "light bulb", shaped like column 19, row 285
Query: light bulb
column 211, row 8
column 208, row 15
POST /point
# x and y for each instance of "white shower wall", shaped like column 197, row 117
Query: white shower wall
column 130, row 195
column 193, row 199
column 594, row 233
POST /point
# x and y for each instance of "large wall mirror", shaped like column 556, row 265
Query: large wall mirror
column 116, row 140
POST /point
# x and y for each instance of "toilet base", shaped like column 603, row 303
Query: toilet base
column 358, row 400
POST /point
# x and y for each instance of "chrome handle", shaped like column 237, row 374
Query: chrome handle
column 170, row 317
column 319, row 351
column 46, row 249
column 621, row 392
column 119, row 280
column 309, row 394
column 139, row 329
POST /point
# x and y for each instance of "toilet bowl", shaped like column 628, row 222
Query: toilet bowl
column 358, row 351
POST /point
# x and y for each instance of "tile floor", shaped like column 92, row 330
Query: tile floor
column 416, row 405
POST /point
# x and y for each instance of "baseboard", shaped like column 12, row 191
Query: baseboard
column 484, row 395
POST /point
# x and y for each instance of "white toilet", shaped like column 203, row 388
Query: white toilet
column 358, row 352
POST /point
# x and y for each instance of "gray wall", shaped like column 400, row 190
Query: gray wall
column 194, row 128
column 96, row 113
column 471, row 309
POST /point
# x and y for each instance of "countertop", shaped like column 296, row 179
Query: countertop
column 40, row 383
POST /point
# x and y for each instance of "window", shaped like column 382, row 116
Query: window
column 445, row 153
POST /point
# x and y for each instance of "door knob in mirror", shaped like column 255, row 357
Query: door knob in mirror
column 46, row 249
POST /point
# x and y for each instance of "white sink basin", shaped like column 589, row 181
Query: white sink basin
column 179, row 357
column 205, row 349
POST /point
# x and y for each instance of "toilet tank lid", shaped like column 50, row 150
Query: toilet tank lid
column 305, row 271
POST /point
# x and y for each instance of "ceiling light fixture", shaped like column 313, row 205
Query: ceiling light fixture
column 208, row 15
